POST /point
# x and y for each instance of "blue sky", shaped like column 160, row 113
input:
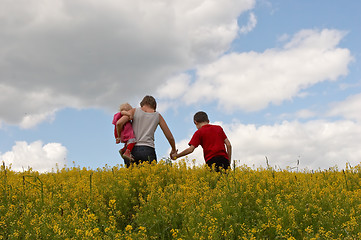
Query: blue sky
column 281, row 77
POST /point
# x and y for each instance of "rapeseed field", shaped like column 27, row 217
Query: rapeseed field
column 175, row 201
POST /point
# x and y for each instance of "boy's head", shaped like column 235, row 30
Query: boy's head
column 200, row 118
column 125, row 107
column 149, row 101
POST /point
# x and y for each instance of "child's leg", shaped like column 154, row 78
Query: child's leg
column 121, row 151
column 130, row 144
column 115, row 132
column 128, row 152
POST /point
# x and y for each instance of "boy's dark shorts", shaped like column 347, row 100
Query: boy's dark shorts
column 219, row 162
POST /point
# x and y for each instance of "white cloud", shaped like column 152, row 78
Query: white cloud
column 196, row 157
column 175, row 87
column 35, row 155
column 301, row 114
column 252, row 22
column 305, row 114
column 251, row 81
column 172, row 90
column 348, row 109
column 345, row 86
column 88, row 53
column 30, row 121
column 28, row 108
column 316, row 144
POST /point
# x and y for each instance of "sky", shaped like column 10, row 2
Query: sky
column 282, row 77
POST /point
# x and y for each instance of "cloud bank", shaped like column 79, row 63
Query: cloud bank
column 36, row 155
column 315, row 144
column 252, row 81
column 348, row 109
column 83, row 54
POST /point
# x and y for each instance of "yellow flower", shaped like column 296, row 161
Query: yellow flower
column 112, row 203
column 142, row 229
column 174, row 232
column 128, row 228
column 309, row 230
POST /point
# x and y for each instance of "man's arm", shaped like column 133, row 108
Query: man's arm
column 120, row 124
column 168, row 134
column 126, row 116
column 228, row 148
column 129, row 113
column 185, row 152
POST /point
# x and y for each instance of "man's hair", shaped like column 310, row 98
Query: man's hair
column 150, row 101
column 200, row 117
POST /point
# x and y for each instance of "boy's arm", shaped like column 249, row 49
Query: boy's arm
column 185, row 152
column 228, row 148
column 168, row 134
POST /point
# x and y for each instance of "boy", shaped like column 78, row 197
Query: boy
column 217, row 148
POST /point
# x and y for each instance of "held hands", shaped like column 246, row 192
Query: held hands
column 173, row 154
column 117, row 140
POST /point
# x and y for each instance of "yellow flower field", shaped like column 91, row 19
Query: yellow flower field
column 175, row 201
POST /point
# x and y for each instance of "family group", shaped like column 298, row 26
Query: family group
column 135, row 127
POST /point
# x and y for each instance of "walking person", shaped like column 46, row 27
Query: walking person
column 217, row 149
column 145, row 121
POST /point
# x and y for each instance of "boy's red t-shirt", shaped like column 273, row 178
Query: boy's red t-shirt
column 211, row 138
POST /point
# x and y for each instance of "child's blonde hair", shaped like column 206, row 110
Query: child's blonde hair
column 125, row 107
